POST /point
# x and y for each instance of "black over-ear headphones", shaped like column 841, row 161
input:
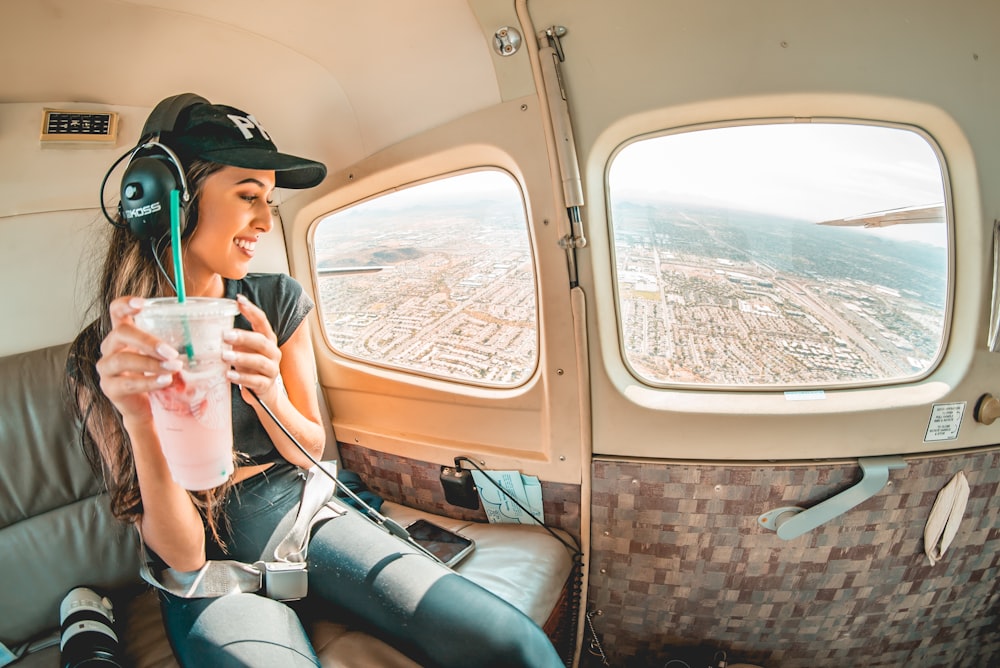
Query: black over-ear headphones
column 153, row 171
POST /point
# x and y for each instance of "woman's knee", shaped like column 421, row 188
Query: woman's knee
column 483, row 629
column 236, row 631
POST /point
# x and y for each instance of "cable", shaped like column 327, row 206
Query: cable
column 576, row 570
column 104, row 182
column 595, row 643
column 156, row 256
column 575, row 549
column 391, row 526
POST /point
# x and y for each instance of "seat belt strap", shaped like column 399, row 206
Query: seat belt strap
column 284, row 578
column 317, row 491
column 214, row 579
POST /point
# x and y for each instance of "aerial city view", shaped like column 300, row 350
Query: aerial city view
column 446, row 292
column 706, row 295
column 715, row 296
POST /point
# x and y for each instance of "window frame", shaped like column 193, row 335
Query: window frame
column 531, row 372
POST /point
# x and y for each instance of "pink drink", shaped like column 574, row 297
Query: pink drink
column 194, row 422
column 193, row 415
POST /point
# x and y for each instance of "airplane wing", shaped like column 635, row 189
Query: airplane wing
column 906, row 215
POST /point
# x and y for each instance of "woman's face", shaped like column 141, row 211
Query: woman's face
column 233, row 213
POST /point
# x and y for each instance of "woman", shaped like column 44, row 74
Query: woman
column 420, row 606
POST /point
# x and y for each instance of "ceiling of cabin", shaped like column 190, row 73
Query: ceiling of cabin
column 337, row 79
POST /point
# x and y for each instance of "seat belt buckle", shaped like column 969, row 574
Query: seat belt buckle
column 286, row 581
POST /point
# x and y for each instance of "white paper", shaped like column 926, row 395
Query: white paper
column 498, row 506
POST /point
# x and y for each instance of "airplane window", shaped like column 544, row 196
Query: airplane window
column 793, row 254
column 436, row 279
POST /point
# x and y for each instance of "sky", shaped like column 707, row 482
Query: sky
column 807, row 171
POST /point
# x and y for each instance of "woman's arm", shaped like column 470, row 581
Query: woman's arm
column 171, row 525
column 257, row 364
column 132, row 364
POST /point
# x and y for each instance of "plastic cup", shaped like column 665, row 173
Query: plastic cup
column 193, row 415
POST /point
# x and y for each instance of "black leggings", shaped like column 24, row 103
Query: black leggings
column 427, row 611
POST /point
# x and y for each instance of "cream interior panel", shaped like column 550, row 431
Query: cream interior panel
column 535, row 428
column 44, row 297
column 359, row 51
column 76, row 51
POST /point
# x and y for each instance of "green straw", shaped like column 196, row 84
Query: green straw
column 175, row 243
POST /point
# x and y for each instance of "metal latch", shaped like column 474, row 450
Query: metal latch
column 286, row 580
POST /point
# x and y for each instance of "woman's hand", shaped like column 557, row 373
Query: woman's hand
column 285, row 380
column 133, row 362
column 255, row 357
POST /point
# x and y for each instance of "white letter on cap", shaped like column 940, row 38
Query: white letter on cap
column 245, row 125
column 259, row 126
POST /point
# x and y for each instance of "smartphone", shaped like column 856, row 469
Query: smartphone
column 449, row 547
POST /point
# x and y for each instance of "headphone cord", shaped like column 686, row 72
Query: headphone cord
column 576, row 569
column 159, row 263
column 391, row 526
column 104, row 182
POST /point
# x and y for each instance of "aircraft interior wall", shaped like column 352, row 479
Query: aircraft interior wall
column 680, row 568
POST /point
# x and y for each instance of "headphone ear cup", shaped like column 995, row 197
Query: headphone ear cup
column 145, row 196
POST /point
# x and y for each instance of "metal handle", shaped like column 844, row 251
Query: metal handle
column 792, row 521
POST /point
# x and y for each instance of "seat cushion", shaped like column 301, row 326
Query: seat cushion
column 56, row 529
column 521, row 564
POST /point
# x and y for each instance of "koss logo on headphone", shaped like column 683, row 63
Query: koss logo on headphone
column 153, row 171
column 142, row 211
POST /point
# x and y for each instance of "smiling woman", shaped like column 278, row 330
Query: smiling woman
column 233, row 213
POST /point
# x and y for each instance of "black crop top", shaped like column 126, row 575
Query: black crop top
column 286, row 304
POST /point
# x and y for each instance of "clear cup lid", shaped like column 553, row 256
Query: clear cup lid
column 192, row 307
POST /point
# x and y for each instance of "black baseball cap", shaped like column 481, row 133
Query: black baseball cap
column 229, row 136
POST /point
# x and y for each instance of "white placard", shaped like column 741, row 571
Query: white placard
column 946, row 419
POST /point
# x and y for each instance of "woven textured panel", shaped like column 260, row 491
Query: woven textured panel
column 680, row 567
column 417, row 484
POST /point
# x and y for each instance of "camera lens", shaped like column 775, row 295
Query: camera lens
column 88, row 637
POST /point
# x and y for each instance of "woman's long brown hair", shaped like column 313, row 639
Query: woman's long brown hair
column 132, row 267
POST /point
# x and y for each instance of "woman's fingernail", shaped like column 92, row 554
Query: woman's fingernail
column 233, row 376
column 228, row 355
column 242, row 299
column 136, row 302
column 165, row 351
column 229, row 336
column 164, row 379
column 172, row 365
